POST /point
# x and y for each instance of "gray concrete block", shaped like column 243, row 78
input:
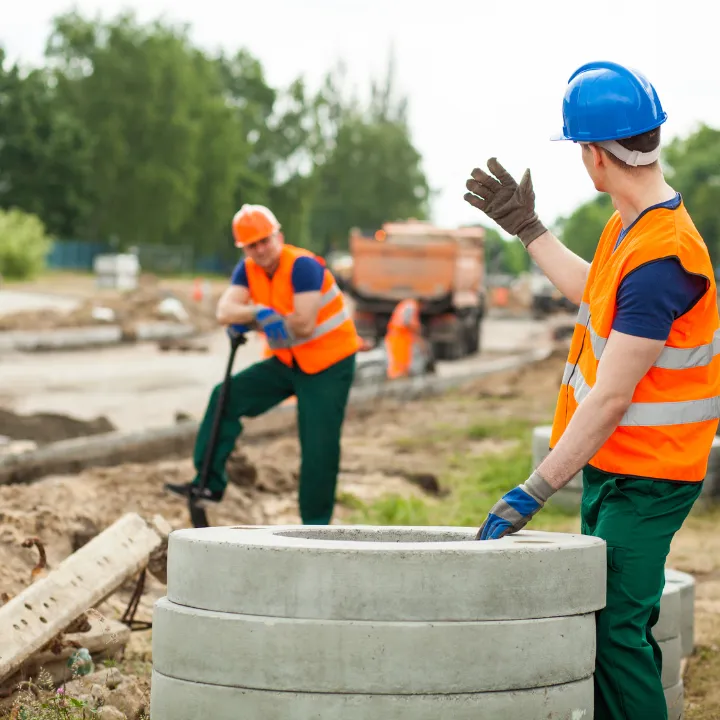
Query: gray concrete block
column 671, row 661
column 181, row 700
column 328, row 656
column 669, row 623
column 686, row 583
column 386, row 573
column 675, row 698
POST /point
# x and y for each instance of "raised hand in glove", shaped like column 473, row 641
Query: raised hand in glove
column 510, row 205
column 516, row 508
column 276, row 331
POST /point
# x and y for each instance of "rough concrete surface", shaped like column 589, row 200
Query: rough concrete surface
column 386, row 573
column 669, row 623
column 675, row 698
column 686, row 584
column 180, row 700
column 672, row 659
column 370, row 657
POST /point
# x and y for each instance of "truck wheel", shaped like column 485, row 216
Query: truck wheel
column 476, row 345
column 470, row 334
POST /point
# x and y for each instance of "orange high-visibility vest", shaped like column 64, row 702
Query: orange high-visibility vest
column 334, row 337
column 402, row 333
column 668, row 429
column 265, row 350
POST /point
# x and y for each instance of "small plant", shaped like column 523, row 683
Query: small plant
column 41, row 701
column 24, row 245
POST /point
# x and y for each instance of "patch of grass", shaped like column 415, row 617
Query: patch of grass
column 348, row 500
column 475, row 485
column 507, row 429
column 702, row 687
column 483, row 428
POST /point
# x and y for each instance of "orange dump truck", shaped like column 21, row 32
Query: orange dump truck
column 442, row 268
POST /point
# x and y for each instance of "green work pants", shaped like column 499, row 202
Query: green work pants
column 321, row 402
column 637, row 518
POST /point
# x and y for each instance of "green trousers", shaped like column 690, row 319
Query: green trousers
column 321, row 402
column 637, row 518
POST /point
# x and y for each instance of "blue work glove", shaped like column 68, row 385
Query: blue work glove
column 237, row 330
column 275, row 328
column 515, row 509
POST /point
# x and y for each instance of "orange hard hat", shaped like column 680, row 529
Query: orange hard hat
column 252, row 223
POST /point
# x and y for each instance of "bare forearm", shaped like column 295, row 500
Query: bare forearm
column 300, row 326
column 567, row 271
column 233, row 313
column 592, row 424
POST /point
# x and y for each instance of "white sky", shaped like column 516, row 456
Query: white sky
column 484, row 77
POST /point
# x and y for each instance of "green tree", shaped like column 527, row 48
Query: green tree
column 24, row 244
column 372, row 173
column 504, row 256
column 45, row 165
column 582, row 229
column 165, row 155
column 693, row 168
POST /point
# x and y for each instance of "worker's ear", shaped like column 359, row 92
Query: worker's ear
column 281, row 237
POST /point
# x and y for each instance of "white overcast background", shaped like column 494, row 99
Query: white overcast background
column 484, row 78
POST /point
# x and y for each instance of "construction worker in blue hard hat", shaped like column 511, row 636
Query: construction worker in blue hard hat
column 638, row 404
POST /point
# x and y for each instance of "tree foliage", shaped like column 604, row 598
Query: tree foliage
column 23, row 244
column 131, row 133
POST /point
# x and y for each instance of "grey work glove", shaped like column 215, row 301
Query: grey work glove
column 516, row 508
column 510, row 205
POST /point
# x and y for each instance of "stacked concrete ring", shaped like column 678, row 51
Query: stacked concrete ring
column 686, row 584
column 668, row 634
column 357, row 622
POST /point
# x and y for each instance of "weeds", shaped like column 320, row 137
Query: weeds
column 474, row 483
column 41, row 701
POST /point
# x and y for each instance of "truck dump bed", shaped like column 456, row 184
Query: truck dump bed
column 417, row 260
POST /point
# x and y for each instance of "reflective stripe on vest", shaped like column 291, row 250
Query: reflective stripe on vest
column 653, row 414
column 670, row 358
column 333, row 322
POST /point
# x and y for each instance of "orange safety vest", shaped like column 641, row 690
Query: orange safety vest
column 334, row 337
column 266, row 352
column 402, row 332
column 668, row 429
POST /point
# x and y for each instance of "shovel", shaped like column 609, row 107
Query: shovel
column 198, row 516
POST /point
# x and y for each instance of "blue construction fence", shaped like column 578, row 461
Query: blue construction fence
column 160, row 259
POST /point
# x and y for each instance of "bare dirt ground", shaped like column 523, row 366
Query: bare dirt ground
column 127, row 307
column 384, row 452
column 140, row 386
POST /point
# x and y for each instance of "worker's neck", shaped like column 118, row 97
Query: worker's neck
column 632, row 194
column 270, row 269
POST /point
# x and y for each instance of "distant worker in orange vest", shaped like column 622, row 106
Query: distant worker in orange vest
column 404, row 344
column 639, row 400
column 289, row 294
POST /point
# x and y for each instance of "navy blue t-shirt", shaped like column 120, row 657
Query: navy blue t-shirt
column 654, row 295
column 307, row 275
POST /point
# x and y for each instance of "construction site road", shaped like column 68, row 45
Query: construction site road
column 141, row 386
column 12, row 301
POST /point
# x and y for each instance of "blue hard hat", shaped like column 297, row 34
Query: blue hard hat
column 607, row 101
